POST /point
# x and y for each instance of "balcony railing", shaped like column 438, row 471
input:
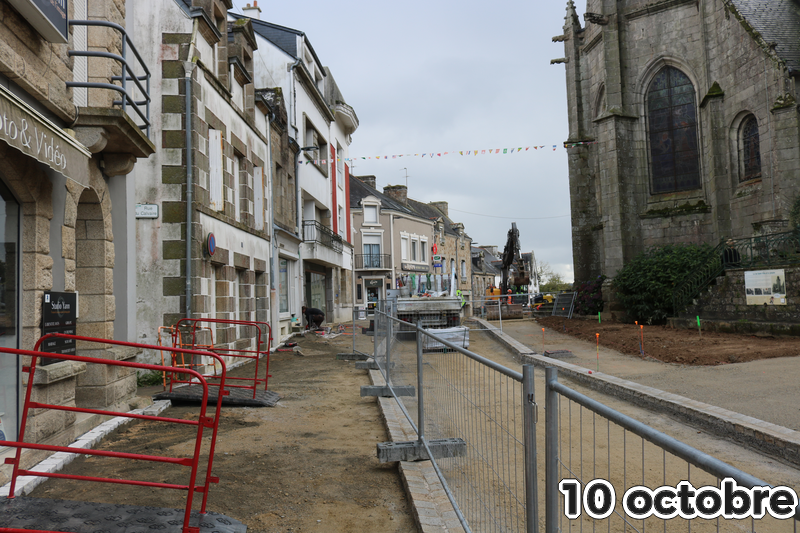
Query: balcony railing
column 313, row 231
column 373, row 261
column 140, row 107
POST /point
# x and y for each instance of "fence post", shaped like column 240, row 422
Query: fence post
column 500, row 313
column 551, row 452
column 529, row 429
column 388, row 350
column 420, row 396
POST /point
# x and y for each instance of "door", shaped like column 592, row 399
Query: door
column 9, row 316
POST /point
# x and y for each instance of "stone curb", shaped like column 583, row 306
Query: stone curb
column 59, row 460
column 764, row 437
column 432, row 508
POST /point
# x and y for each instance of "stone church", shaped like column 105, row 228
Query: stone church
column 683, row 123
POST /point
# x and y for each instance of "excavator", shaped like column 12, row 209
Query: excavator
column 515, row 274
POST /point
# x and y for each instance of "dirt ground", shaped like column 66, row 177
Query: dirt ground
column 308, row 464
column 681, row 346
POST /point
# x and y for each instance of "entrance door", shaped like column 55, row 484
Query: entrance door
column 9, row 365
column 373, row 295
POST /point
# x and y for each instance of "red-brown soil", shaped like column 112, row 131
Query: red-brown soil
column 681, row 346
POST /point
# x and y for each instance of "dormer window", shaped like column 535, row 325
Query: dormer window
column 370, row 214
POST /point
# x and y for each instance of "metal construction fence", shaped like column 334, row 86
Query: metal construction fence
column 486, row 413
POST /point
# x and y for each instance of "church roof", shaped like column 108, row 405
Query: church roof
column 778, row 22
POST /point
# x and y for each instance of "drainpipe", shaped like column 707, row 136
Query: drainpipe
column 274, row 316
column 188, row 67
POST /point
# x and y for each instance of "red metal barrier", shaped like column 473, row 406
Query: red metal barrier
column 189, row 337
column 203, row 421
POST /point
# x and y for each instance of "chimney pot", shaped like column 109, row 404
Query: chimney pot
column 397, row 192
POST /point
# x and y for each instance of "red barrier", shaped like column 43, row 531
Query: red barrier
column 203, row 421
column 190, row 336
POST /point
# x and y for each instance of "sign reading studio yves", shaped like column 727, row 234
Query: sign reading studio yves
column 23, row 128
column 59, row 315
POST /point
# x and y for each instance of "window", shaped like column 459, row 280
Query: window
column 283, row 285
column 370, row 214
column 238, row 176
column 340, row 163
column 749, row 149
column 342, row 225
column 452, row 266
column 404, row 248
column 372, row 251
column 258, row 196
column 313, row 138
column 414, row 246
column 672, row 123
column 463, row 271
column 215, row 169
column 423, row 251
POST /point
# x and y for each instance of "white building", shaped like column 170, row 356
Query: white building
column 322, row 123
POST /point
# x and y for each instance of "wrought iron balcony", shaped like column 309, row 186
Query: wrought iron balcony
column 373, row 261
column 140, row 107
column 315, row 232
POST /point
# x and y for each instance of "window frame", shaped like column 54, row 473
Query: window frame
column 741, row 149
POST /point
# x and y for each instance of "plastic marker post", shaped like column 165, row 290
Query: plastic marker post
column 598, row 351
column 699, row 329
column 542, row 341
column 598, row 318
column 641, row 339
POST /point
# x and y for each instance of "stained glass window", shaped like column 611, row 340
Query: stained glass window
column 749, row 150
column 672, row 122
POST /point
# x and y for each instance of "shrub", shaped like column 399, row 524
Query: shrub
column 145, row 378
column 589, row 300
column 644, row 286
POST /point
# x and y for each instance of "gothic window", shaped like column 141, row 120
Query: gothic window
column 749, row 150
column 672, row 123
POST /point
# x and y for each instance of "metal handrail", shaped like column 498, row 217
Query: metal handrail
column 369, row 261
column 128, row 73
column 753, row 252
column 314, row 231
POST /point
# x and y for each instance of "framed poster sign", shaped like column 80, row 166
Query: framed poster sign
column 765, row 287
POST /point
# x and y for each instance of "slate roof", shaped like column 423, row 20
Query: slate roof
column 778, row 21
column 431, row 213
column 281, row 36
column 485, row 266
column 359, row 190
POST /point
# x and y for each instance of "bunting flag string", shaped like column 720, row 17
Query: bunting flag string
column 487, row 151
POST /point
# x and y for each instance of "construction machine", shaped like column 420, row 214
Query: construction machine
column 515, row 274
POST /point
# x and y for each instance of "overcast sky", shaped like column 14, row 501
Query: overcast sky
column 441, row 76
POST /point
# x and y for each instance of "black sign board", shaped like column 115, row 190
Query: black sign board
column 59, row 315
column 373, row 283
column 563, row 304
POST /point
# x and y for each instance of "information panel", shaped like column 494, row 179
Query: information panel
column 765, row 287
column 59, row 315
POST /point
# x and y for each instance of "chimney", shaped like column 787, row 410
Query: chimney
column 369, row 180
column 253, row 12
column 397, row 192
column 441, row 206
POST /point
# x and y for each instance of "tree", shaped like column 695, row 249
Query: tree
column 549, row 281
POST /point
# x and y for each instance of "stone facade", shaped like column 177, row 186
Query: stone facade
column 735, row 76
column 231, row 170
column 66, row 185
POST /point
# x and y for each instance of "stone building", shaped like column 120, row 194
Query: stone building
column 683, row 123
column 212, row 185
column 66, row 206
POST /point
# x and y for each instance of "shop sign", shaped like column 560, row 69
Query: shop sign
column 49, row 17
column 437, row 265
column 23, row 128
column 414, row 268
column 59, row 315
column 437, row 257
column 373, row 283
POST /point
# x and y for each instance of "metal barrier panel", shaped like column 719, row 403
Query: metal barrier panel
column 452, row 394
column 193, row 462
column 587, row 441
column 197, row 332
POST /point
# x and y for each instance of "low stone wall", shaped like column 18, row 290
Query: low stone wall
column 725, row 302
